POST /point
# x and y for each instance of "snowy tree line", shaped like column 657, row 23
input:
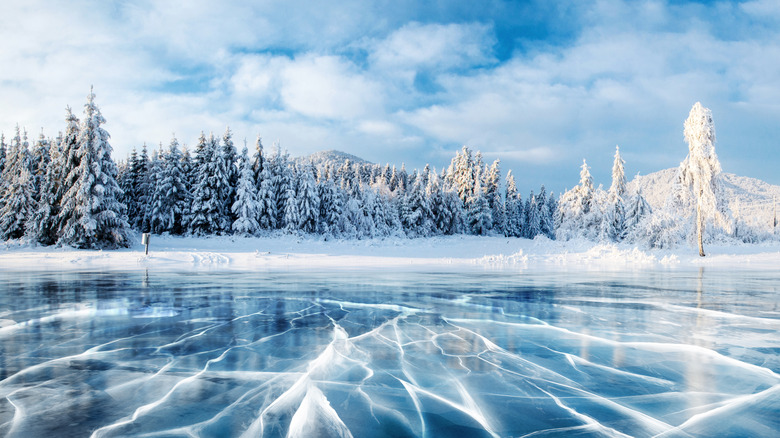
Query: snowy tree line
column 221, row 192
column 69, row 191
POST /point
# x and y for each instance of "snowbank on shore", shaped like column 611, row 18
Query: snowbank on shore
column 291, row 252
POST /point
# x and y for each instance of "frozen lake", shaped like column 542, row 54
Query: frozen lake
column 379, row 353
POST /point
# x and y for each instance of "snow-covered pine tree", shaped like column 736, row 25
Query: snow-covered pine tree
column 393, row 181
column 205, row 203
column 228, row 193
column 93, row 216
column 3, row 149
column 374, row 207
column 613, row 223
column 18, row 204
column 3, row 152
column 492, row 184
column 462, row 174
column 478, row 210
column 40, row 164
column 366, row 228
column 585, row 189
column 403, row 179
column 125, row 183
column 534, row 225
column 246, row 207
column 172, row 198
column 637, row 209
column 577, row 213
column 552, row 207
column 433, row 192
column 266, row 200
column 330, row 208
column 138, row 185
column 417, row 217
column 290, row 213
column 425, row 175
column 258, row 160
column 546, row 222
column 350, row 222
column 513, row 206
column 69, row 161
column 451, row 218
column 308, row 201
column 223, row 180
column 281, row 181
column 699, row 174
column 44, row 225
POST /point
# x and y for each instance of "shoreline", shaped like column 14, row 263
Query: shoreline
column 285, row 252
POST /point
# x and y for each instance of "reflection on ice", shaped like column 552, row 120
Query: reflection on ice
column 365, row 354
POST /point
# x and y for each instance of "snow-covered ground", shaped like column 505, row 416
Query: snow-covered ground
column 291, row 252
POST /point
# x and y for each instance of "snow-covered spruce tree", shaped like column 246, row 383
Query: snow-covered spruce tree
column 393, row 181
column 145, row 191
column 699, row 187
column 205, row 203
column 372, row 201
column 513, row 206
column 155, row 192
column 416, row 212
column 433, row 191
column 93, row 216
column 266, row 200
column 546, row 221
column 40, row 164
column 403, row 179
column 69, row 160
column 18, row 204
column 139, row 196
column 578, row 213
column 123, row 178
column 3, row 149
column 613, row 223
column 330, row 209
column 44, row 225
column 281, row 177
column 637, row 209
column 452, row 217
column 246, row 207
column 223, row 173
column 479, row 216
column 229, row 167
column 492, row 185
column 534, row 224
column 308, row 201
column 290, row 213
column 171, row 203
column 258, row 161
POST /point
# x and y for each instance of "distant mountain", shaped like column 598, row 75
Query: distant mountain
column 752, row 198
column 332, row 157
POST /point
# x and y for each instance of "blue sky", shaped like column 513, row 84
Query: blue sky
column 539, row 84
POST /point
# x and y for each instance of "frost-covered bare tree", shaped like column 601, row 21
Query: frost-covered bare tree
column 699, row 176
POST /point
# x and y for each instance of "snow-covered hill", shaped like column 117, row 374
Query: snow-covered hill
column 750, row 198
column 333, row 157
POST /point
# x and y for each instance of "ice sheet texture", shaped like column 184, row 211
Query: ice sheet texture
column 362, row 353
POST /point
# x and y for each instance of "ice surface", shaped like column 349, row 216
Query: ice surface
column 390, row 353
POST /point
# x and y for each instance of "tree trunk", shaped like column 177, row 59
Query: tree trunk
column 700, row 228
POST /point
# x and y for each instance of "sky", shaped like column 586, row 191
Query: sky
column 540, row 85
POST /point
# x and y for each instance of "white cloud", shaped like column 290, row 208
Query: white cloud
column 328, row 87
column 434, row 46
